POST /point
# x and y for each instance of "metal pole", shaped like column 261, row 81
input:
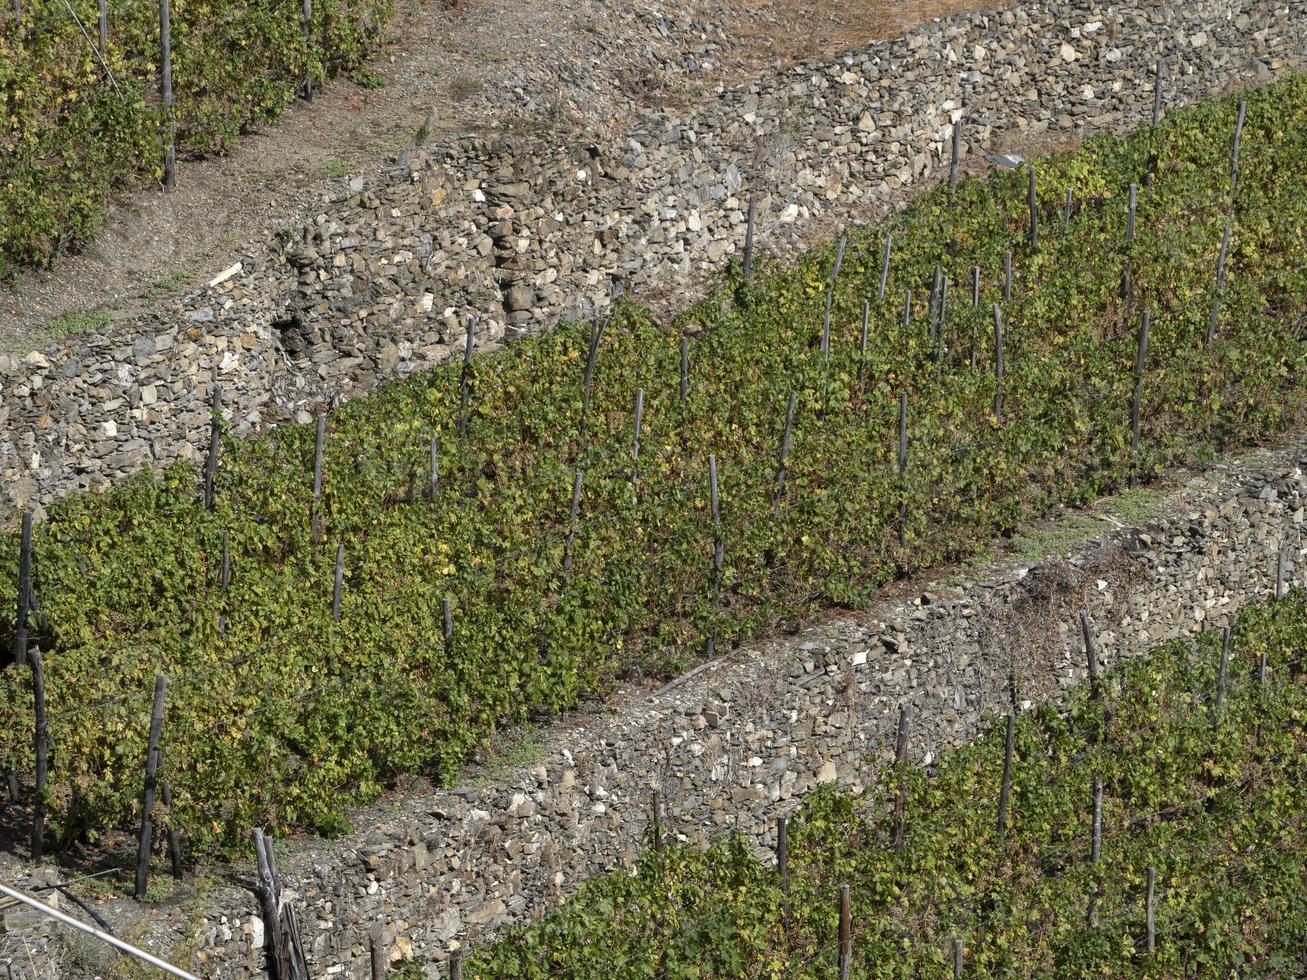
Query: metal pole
column 97, row 933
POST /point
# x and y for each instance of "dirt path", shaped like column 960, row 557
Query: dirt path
column 491, row 66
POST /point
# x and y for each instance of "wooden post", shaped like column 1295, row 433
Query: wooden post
column 447, row 614
column 1005, row 791
column 846, row 934
column 165, row 43
column 907, row 307
column 465, row 382
column 1157, row 93
column 900, row 766
column 903, row 469
column 279, row 955
column 1091, row 653
column 215, row 431
column 932, row 305
column 941, row 316
column 1221, row 257
column 1066, row 214
column 1132, row 204
column 710, row 644
column 24, row 591
column 785, row 446
column 884, row 265
column 376, row 953
column 151, row 777
column 957, row 959
column 18, row 14
column 433, row 473
column 655, row 822
column 783, row 853
column 1238, row 139
column 957, row 152
column 174, row 838
column 1033, row 207
column 224, row 582
column 11, row 784
column 307, row 19
column 1148, row 907
column 1127, row 272
column 1279, row 572
column 862, row 342
column 975, row 304
column 319, row 443
column 998, row 364
column 1221, row 670
column 456, row 965
column 635, row 450
column 685, row 368
column 573, row 513
column 1007, row 277
column 104, row 27
column 339, row 582
column 1141, row 358
column 748, row 239
column 41, row 744
column 596, row 336
column 1096, row 847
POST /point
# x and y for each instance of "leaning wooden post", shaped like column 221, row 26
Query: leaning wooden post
column 1148, row 910
column 748, row 239
column 846, row 934
column 339, row 582
column 165, row 43
column 104, row 26
column 1141, row 358
column 465, row 381
column 573, row 514
column 957, row 152
column 151, row 778
column 685, row 368
column 1221, row 257
column 319, row 443
column 884, row 266
column 903, row 469
column 1091, row 653
column 1222, row 668
column 215, row 433
column 785, row 446
column 900, row 766
column 783, row 853
column 998, row 364
column 174, row 838
column 1234, row 151
column 41, row 744
column 307, row 23
column 1005, row 791
column 24, row 591
column 1033, row 207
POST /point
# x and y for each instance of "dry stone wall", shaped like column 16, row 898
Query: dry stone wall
column 507, row 236
column 738, row 744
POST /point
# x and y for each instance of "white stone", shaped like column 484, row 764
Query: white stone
column 1067, row 52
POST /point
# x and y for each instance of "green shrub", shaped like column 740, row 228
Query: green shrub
column 78, row 128
column 1214, row 801
column 290, row 715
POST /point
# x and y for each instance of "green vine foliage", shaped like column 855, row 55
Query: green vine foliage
column 1211, row 798
column 78, row 124
column 288, row 715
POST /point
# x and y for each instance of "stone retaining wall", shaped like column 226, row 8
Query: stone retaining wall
column 513, row 234
column 738, row 744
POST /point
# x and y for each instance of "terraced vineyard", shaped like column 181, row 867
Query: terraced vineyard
column 1200, row 830
column 572, row 554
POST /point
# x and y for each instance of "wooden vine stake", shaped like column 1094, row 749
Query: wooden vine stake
column 1127, row 271
column 903, row 469
column 41, row 745
column 1007, row 277
column 433, row 469
column 685, row 368
column 447, row 615
column 319, row 444
column 955, row 155
column 1005, row 791
column 103, row 6
column 1096, row 846
column 783, row 853
column 151, row 781
column 1222, row 668
column 465, row 381
column 957, row 959
column 573, row 515
column 165, row 44
column 306, row 19
column 846, row 934
column 174, row 838
column 1032, row 206
column 884, row 266
column 596, row 337
column 1221, row 258
column 1149, row 903
column 456, row 965
column 1141, row 359
column 998, row 364
column 215, row 433
column 786, row 434
column 1066, row 213
column 24, row 591
column 1234, row 150
column 635, row 449
column 655, row 823
column 280, row 924
column 748, row 239
column 1157, row 93
column 339, row 583
column 900, row 766
column 710, row 645
column 975, row 304
column 224, row 582
column 377, row 952
column 862, row 341
column 1091, row 654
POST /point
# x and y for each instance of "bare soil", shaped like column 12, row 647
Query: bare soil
column 488, row 67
